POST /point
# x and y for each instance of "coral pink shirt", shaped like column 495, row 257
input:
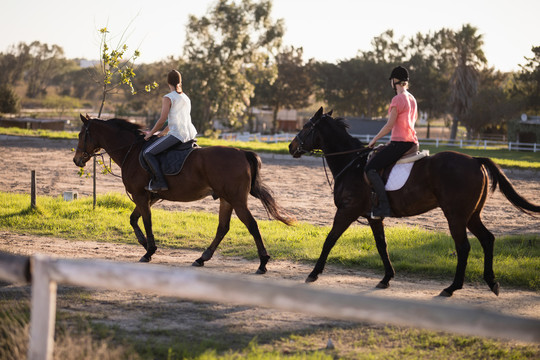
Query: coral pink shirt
column 403, row 129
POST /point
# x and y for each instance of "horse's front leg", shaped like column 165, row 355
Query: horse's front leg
column 134, row 221
column 377, row 227
column 143, row 204
column 342, row 220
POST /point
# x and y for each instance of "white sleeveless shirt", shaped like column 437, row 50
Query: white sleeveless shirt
column 179, row 120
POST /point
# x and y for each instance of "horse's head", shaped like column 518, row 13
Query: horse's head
column 86, row 146
column 309, row 138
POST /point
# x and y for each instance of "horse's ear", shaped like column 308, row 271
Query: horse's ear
column 330, row 112
column 319, row 112
column 84, row 119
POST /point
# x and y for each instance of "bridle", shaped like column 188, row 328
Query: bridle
column 363, row 152
column 85, row 154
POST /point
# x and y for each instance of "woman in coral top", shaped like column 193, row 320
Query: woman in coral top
column 402, row 116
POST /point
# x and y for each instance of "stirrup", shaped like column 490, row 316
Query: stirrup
column 151, row 188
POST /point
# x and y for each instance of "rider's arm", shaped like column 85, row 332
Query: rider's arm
column 387, row 127
column 165, row 107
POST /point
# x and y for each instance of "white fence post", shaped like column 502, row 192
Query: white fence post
column 43, row 312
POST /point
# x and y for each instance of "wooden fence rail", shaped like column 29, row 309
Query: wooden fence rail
column 285, row 296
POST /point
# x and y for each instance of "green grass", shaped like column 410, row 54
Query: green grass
column 80, row 335
column 505, row 158
column 412, row 250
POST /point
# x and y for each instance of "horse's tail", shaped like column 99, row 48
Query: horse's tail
column 499, row 178
column 263, row 193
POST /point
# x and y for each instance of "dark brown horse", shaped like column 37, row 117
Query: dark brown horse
column 457, row 183
column 225, row 173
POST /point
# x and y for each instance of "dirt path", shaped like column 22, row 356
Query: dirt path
column 300, row 186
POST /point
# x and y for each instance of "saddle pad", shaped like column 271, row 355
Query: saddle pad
column 414, row 157
column 398, row 176
column 172, row 160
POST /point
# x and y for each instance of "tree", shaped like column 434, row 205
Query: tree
column 9, row 101
column 492, row 105
column 233, row 39
column 44, row 63
column 114, row 70
column 292, row 87
column 466, row 47
column 528, row 82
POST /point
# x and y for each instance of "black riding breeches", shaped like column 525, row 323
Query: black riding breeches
column 389, row 155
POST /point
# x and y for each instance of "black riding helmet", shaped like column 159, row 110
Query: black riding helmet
column 399, row 73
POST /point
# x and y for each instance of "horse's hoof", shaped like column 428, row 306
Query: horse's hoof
column 145, row 260
column 311, row 279
column 382, row 285
column 495, row 288
column 445, row 293
column 198, row 263
column 260, row 271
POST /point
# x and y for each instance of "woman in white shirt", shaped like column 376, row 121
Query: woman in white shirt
column 176, row 109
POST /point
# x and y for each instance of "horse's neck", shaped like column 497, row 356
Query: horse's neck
column 337, row 163
column 114, row 148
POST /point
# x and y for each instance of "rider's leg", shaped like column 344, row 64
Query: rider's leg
column 385, row 157
column 158, row 183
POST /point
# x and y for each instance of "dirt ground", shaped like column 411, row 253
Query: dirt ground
column 300, row 186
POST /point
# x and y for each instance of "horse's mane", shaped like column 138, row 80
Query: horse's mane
column 126, row 125
column 340, row 123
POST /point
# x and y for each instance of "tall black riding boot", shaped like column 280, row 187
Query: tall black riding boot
column 383, row 208
column 158, row 183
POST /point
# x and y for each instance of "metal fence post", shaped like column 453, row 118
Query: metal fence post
column 43, row 312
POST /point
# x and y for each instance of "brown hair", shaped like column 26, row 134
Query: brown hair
column 174, row 78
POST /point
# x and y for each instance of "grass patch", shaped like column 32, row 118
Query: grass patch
column 412, row 250
column 503, row 157
column 80, row 336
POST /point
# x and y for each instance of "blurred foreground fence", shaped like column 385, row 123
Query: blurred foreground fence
column 45, row 273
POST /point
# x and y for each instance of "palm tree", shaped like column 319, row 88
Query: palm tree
column 466, row 47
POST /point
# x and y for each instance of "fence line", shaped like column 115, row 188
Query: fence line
column 286, row 296
column 484, row 143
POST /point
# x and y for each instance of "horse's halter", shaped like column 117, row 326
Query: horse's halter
column 302, row 139
column 87, row 136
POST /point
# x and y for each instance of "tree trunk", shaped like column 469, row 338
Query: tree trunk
column 453, row 133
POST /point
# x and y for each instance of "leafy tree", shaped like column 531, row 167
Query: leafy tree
column 220, row 49
column 9, row 101
column 115, row 68
column 528, row 82
column 466, row 47
column 492, row 105
column 43, row 64
column 292, row 87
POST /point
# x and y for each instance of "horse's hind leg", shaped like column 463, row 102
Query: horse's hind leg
column 225, row 211
column 463, row 247
column 487, row 241
column 247, row 218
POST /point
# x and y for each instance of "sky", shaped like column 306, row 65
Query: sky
column 327, row 30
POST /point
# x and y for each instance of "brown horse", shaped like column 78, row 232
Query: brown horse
column 225, row 173
column 457, row 183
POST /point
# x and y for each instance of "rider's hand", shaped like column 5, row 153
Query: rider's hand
column 372, row 143
column 147, row 135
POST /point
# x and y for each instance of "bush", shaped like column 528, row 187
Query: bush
column 9, row 101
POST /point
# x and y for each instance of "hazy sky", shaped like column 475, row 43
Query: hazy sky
column 328, row 30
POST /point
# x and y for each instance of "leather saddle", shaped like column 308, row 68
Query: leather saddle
column 410, row 156
column 171, row 160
